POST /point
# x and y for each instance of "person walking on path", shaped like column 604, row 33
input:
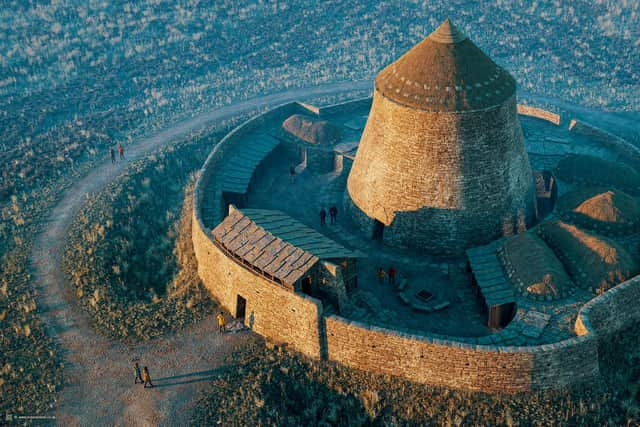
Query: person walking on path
column 333, row 212
column 112, row 155
column 323, row 217
column 146, row 378
column 121, row 151
column 136, row 367
column 381, row 275
column 221, row 324
column 392, row 275
column 292, row 174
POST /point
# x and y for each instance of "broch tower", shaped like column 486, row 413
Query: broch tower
column 442, row 165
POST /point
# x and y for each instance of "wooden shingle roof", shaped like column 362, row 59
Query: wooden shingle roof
column 490, row 276
column 242, row 162
column 275, row 243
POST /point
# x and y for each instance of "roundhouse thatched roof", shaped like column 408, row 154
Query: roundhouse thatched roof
column 534, row 267
column 600, row 207
column 312, row 130
column 446, row 72
column 598, row 171
column 593, row 261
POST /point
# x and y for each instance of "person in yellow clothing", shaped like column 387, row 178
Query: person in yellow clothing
column 146, row 378
column 221, row 323
column 381, row 275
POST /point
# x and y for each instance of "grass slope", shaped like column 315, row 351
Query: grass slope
column 129, row 255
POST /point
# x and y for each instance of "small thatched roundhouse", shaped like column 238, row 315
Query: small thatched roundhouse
column 592, row 261
column 608, row 211
column 312, row 140
column 534, row 268
column 592, row 170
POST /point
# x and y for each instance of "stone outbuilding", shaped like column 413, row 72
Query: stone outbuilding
column 288, row 253
column 442, row 164
column 312, row 140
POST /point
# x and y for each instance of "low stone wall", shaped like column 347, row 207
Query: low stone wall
column 610, row 312
column 453, row 364
column 539, row 113
column 624, row 149
column 285, row 316
column 271, row 310
column 346, row 107
column 209, row 195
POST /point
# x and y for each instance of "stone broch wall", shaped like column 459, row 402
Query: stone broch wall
column 474, row 182
column 284, row 316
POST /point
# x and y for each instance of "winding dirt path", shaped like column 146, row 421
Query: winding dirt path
column 99, row 387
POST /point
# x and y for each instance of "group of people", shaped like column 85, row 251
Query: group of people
column 333, row 214
column 390, row 273
column 142, row 377
column 112, row 153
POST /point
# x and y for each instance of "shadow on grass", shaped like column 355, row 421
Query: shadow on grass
column 192, row 377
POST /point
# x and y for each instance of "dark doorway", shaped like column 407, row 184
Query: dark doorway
column 306, row 285
column 241, row 307
column 378, row 229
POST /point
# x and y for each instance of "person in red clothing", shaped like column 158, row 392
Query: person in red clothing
column 121, row 151
column 392, row 275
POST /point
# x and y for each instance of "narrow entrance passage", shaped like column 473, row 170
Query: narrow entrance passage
column 378, row 229
column 241, row 306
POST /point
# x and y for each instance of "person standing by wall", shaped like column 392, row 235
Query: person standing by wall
column 221, row 322
column 392, row 275
column 323, row 217
column 121, row 151
column 333, row 213
column 112, row 155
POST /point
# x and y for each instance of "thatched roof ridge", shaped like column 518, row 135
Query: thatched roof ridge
column 593, row 261
column 312, row 130
column 609, row 210
column 533, row 267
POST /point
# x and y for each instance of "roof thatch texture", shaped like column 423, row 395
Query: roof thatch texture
column 593, row 261
column 312, row 130
column 598, row 171
column 604, row 209
column 446, row 72
column 534, row 267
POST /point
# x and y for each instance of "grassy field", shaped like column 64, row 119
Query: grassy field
column 269, row 385
column 129, row 254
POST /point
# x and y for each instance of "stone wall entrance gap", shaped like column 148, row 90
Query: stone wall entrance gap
column 241, row 306
column 378, row 229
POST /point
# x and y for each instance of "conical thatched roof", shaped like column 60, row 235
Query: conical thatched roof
column 446, row 72
column 593, row 261
column 533, row 267
column 312, row 130
column 601, row 208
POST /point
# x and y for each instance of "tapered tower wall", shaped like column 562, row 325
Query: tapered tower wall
column 441, row 181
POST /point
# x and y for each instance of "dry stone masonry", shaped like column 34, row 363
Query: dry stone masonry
column 442, row 164
column 441, row 167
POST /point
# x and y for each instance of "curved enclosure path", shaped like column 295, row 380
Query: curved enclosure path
column 99, row 387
